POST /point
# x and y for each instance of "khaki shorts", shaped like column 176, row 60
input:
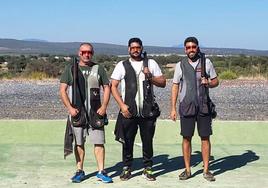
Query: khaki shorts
column 79, row 135
column 95, row 136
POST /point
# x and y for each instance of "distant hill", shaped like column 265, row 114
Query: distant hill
column 35, row 40
column 33, row 46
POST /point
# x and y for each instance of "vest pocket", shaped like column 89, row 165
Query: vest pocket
column 97, row 121
column 150, row 109
column 187, row 110
column 208, row 108
column 80, row 120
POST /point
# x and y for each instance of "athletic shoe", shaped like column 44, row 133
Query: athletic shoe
column 102, row 176
column 126, row 174
column 185, row 175
column 78, row 177
column 209, row 176
column 148, row 174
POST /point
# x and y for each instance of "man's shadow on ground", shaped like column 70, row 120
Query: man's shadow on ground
column 232, row 162
column 164, row 165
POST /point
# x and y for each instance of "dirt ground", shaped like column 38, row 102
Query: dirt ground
column 235, row 100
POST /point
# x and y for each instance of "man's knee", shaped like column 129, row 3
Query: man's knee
column 187, row 138
column 205, row 138
column 99, row 145
column 79, row 146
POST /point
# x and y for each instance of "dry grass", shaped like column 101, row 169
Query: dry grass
column 259, row 77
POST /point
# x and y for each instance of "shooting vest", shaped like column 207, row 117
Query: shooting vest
column 190, row 89
column 133, row 92
column 89, row 89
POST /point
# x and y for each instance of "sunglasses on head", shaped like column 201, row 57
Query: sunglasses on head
column 191, row 47
column 86, row 52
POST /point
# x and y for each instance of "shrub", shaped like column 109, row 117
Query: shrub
column 37, row 75
column 228, row 75
column 6, row 75
column 169, row 74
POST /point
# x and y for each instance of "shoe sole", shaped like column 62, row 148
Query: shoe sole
column 99, row 179
column 147, row 178
column 210, row 179
column 123, row 179
column 75, row 181
column 185, row 178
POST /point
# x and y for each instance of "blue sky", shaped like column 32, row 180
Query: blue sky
column 225, row 23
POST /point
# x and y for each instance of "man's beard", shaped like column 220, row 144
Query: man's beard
column 136, row 57
column 195, row 57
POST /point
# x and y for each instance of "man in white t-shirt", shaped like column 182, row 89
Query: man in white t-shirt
column 131, row 74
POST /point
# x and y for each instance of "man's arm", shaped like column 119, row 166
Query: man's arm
column 159, row 81
column 106, row 98
column 210, row 83
column 123, row 107
column 66, row 101
column 174, row 97
column 213, row 83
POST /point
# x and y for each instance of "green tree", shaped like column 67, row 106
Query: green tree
column 17, row 64
column 2, row 59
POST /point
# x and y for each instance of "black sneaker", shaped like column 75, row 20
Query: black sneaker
column 185, row 175
column 148, row 174
column 209, row 176
column 126, row 174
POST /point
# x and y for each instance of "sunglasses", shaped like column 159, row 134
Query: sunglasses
column 135, row 48
column 87, row 52
column 191, row 47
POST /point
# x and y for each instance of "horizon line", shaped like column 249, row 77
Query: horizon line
column 172, row 46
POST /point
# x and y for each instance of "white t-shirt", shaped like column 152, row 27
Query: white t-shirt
column 119, row 70
column 119, row 74
column 209, row 70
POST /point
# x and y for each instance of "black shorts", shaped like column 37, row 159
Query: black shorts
column 203, row 125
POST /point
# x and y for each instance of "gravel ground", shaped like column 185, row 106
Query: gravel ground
column 235, row 100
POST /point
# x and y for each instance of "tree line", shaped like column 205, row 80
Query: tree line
column 50, row 66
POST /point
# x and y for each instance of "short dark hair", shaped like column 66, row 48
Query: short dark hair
column 135, row 40
column 86, row 43
column 191, row 39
